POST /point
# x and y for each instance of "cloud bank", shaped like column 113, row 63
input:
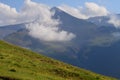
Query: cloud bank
column 89, row 10
column 39, row 18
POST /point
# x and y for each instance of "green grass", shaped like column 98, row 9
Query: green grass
column 21, row 64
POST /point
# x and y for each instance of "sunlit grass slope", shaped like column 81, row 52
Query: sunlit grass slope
column 21, row 64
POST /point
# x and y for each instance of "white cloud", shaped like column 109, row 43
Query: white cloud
column 92, row 10
column 89, row 10
column 115, row 20
column 48, row 32
column 39, row 18
column 45, row 28
column 8, row 15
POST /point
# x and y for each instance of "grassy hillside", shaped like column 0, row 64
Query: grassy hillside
column 20, row 64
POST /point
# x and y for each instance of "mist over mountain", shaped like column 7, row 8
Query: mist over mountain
column 87, row 36
column 106, row 20
column 84, row 50
column 4, row 31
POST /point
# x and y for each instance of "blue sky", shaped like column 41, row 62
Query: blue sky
column 111, row 5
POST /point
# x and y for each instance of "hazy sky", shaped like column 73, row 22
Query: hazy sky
column 111, row 5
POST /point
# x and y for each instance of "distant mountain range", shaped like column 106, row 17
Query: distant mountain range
column 4, row 31
column 103, row 20
column 96, row 46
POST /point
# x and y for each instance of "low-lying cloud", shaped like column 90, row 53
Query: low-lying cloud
column 52, row 33
column 115, row 20
column 89, row 10
column 39, row 21
column 45, row 28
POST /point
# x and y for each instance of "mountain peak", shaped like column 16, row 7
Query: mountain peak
column 56, row 9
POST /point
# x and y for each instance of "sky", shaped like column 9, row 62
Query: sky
column 111, row 5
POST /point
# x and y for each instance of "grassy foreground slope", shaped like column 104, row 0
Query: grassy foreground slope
column 20, row 64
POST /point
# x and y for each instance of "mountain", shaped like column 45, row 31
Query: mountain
column 81, row 28
column 100, row 21
column 106, row 58
column 6, row 30
column 21, row 64
column 76, row 51
column 103, row 20
column 84, row 31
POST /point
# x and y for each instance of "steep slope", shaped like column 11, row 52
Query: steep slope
column 20, row 64
column 81, row 28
